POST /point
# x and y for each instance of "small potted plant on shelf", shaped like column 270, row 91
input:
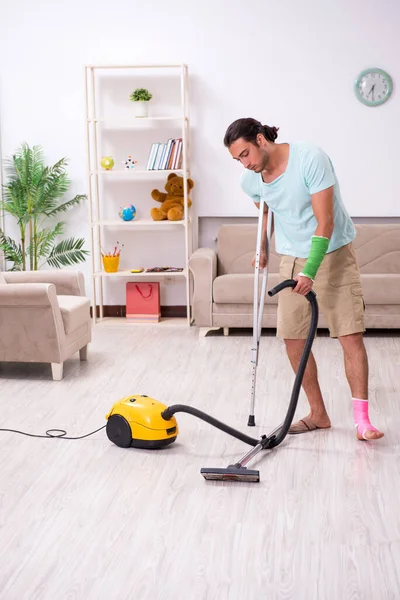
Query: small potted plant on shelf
column 141, row 98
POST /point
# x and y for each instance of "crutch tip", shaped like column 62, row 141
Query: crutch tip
column 251, row 422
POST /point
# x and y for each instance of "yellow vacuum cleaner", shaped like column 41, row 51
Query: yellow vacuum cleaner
column 142, row 422
column 137, row 421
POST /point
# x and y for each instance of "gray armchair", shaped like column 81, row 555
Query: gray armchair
column 44, row 317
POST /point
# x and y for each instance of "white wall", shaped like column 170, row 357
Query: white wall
column 290, row 64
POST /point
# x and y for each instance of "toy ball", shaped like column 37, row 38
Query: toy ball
column 107, row 162
column 127, row 213
column 129, row 163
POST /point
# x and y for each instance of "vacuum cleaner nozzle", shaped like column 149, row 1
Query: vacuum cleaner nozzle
column 231, row 473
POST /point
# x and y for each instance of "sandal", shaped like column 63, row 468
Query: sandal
column 304, row 426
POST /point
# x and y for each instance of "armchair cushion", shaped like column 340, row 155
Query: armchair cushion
column 75, row 311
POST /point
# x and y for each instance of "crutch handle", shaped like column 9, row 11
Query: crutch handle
column 290, row 283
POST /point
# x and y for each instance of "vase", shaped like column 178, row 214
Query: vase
column 142, row 108
column 111, row 264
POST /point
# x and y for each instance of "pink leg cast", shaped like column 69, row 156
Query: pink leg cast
column 361, row 419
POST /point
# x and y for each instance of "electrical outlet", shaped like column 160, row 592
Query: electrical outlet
column 169, row 280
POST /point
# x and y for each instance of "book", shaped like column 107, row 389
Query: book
column 151, row 156
column 158, row 166
column 180, row 161
column 167, row 154
column 164, row 269
column 158, row 156
column 154, row 157
column 178, row 154
column 171, row 154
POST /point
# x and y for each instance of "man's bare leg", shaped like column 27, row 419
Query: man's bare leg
column 356, row 367
column 318, row 415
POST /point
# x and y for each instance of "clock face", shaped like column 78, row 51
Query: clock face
column 373, row 87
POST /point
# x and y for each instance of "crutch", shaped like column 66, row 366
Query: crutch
column 258, row 309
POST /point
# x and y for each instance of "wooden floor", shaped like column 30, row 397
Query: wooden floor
column 86, row 520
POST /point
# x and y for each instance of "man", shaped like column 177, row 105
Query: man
column 314, row 234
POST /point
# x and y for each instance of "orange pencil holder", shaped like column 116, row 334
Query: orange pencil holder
column 110, row 264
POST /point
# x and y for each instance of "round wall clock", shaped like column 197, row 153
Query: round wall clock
column 373, row 87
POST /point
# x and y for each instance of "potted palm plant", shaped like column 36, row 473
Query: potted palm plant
column 33, row 196
column 141, row 97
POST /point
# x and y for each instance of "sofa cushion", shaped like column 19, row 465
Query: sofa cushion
column 75, row 311
column 236, row 248
column 381, row 288
column 377, row 248
column 2, row 279
column 239, row 288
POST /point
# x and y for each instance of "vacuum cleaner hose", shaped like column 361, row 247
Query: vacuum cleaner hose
column 279, row 436
column 276, row 439
column 171, row 410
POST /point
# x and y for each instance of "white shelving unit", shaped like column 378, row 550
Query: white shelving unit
column 98, row 223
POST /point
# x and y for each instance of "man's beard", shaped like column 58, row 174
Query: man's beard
column 264, row 163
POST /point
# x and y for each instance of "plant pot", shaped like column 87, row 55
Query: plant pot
column 111, row 264
column 141, row 108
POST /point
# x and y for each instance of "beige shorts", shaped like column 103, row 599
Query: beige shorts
column 339, row 295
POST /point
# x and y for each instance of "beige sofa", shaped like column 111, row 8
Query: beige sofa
column 44, row 317
column 223, row 279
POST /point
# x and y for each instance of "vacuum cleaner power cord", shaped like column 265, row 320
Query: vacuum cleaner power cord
column 54, row 433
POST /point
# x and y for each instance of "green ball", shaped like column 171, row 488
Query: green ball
column 107, row 162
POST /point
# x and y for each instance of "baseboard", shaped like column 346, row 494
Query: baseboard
column 120, row 311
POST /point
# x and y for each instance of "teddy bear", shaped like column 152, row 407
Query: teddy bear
column 172, row 203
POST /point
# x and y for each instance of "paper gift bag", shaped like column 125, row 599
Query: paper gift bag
column 143, row 302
